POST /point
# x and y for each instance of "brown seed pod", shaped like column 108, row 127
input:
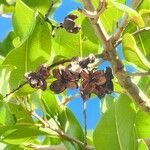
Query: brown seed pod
column 43, row 71
column 97, row 82
column 65, row 79
column 69, row 24
column 36, row 81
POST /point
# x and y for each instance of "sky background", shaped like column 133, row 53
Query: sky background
column 93, row 105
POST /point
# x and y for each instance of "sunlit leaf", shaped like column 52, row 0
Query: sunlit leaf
column 142, row 124
column 142, row 145
column 33, row 51
column 22, row 18
column 50, row 102
column 71, row 127
column 132, row 53
column 106, row 103
column 116, row 127
column 111, row 16
column 7, row 44
column 133, row 15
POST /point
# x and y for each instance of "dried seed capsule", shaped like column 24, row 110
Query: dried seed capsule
column 69, row 24
column 36, row 81
column 65, row 79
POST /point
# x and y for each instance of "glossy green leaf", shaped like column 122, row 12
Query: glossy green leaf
column 133, row 15
column 19, row 134
column 3, row 2
column 50, row 102
column 142, row 145
column 142, row 39
column 132, row 53
column 19, row 113
column 142, row 124
column 107, row 101
column 116, row 127
column 5, row 72
column 33, row 51
column 71, row 127
column 88, row 31
column 111, row 16
column 144, row 5
column 13, row 147
column 6, row 116
column 22, row 18
column 42, row 5
column 51, row 141
column 7, row 44
column 144, row 84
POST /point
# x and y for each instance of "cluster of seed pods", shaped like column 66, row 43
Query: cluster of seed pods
column 76, row 75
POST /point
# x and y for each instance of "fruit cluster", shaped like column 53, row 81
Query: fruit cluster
column 76, row 75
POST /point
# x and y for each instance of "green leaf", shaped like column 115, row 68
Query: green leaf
column 144, row 5
column 42, row 5
column 133, row 15
column 22, row 18
column 68, row 44
column 33, row 51
column 71, row 127
column 142, row 124
column 110, row 17
column 7, row 44
column 132, row 53
column 6, row 116
column 13, row 147
column 116, row 127
column 144, row 85
column 142, row 39
column 20, row 114
column 51, row 141
column 19, row 134
column 142, row 145
column 5, row 72
column 106, row 103
column 3, row 2
column 50, row 102
column 88, row 31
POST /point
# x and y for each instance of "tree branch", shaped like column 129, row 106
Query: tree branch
column 99, row 29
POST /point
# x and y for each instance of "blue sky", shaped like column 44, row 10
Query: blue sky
column 93, row 106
